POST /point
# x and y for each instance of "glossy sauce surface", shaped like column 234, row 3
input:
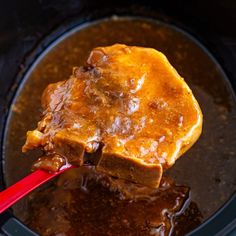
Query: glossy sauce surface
column 83, row 202
column 208, row 168
column 127, row 101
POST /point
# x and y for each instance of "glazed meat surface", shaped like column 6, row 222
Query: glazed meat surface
column 126, row 104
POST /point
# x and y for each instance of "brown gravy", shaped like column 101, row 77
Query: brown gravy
column 82, row 203
column 213, row 156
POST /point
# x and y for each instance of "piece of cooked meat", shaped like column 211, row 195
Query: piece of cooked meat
column 127, row 102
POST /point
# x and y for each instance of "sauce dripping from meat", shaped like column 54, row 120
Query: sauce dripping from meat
column 126, row 152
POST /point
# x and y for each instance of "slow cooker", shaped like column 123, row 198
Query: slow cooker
column 29, row 29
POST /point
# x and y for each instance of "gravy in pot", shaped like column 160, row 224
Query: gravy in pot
column 207, row 169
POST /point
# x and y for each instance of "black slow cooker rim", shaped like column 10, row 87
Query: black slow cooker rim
column 213, row 48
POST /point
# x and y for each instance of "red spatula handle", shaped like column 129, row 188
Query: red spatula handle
column 18, row 190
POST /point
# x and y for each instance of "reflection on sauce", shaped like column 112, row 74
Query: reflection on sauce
column 83, row 202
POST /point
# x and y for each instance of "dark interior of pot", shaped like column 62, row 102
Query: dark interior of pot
column 216, row 180
column 208, row 169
